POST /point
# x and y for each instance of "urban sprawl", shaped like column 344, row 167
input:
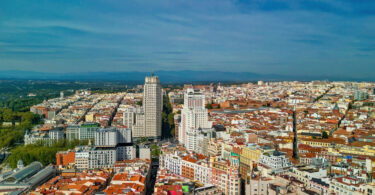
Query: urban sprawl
column 255, row 139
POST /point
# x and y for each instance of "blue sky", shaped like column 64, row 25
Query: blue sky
column 288, row 37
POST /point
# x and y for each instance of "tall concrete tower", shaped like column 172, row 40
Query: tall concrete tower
column 194, row 115
column 153, row 107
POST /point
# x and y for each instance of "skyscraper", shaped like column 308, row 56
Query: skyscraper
column 194, row 115
column 153, row 107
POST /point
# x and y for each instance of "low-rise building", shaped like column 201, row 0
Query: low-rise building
column 276, row 161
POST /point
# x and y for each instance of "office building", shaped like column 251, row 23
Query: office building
column 129, row 117
column 72, row 132
column 194, row 115
column 148, row 123
column 112, row 137
column 106, row 138
column 153, row 107
column 124, row 135
column 87, row 131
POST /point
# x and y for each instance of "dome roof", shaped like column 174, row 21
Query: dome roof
column 20, row 162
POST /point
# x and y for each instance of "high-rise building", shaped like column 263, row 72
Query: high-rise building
column 129, row 116
column 194, row 115
column 124, row 135
column 147, row 121
column 138, row 129
column 153, row 107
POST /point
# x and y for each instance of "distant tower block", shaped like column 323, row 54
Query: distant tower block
column 61, row 95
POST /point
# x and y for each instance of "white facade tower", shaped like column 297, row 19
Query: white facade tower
column 153, row 107
column 194, row 115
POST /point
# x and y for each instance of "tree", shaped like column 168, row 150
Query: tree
column 325, row 135
column 8, row 115
column 155, row 151
column 167, row 118
column 40, row 152
column 209, row 106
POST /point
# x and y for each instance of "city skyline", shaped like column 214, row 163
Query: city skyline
column 290, row 137
column 305, row 38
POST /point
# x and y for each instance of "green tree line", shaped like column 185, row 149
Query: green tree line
column 168, row 126
column 10, row 135
column 40, row 152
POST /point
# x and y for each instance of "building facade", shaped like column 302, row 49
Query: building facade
column 194, row 115
column 153, row 106
column 148, row 123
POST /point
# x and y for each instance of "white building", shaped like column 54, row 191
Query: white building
column 102, row 158
column 111, row 137
column 47, row 138
column 172, row 163
column 138, row 129
column 276, row 161
column 153, row 106
column 72, row 132
column 144, row 153
column 106, row 137
column 129, row 116
column 56, row 134
column 192, row 137
column 148, row 123
column 124, row 135
column 257, row 185
column 81, row 132
column 87, row 131
column 82, row 160
column 92, row 159
column 125, row 153
column 33, row 138
column 306, row 173
column 345, row 185
column 196, row 139
column 202, row 172
column 194, row 115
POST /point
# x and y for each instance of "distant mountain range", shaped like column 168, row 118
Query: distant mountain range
column 165, row 76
